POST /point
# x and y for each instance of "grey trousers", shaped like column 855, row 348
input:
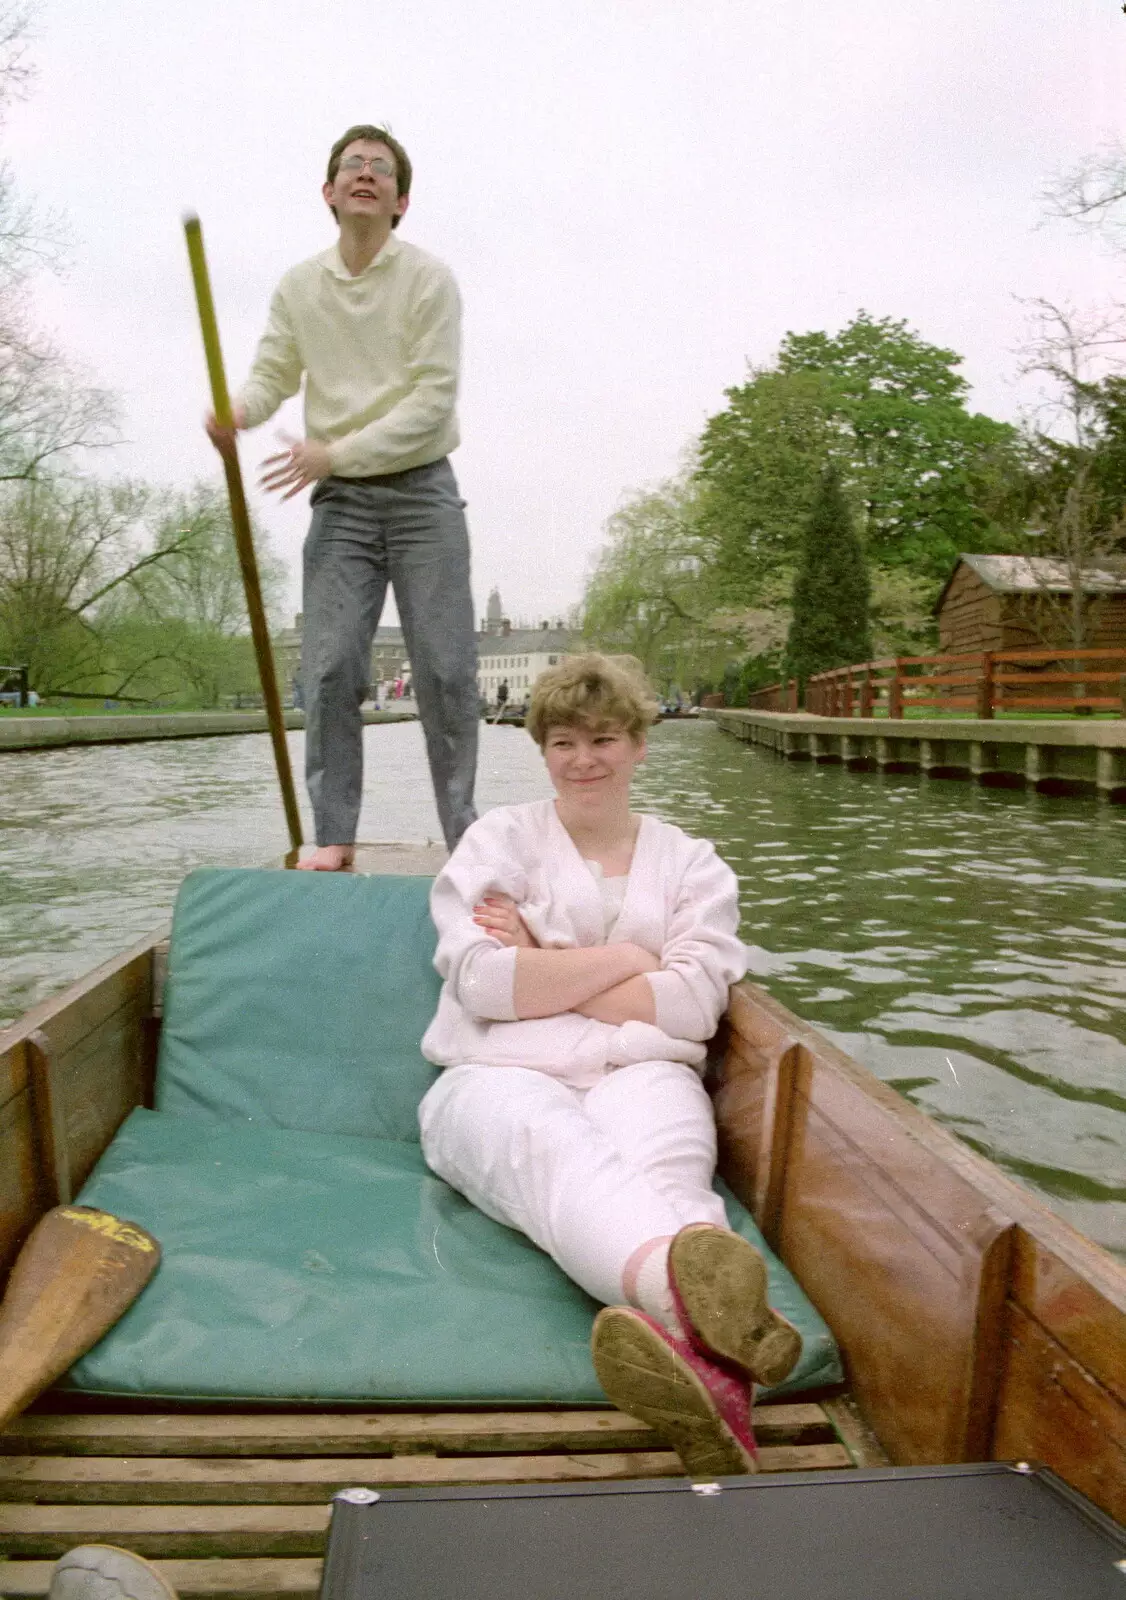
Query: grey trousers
column 407, row 529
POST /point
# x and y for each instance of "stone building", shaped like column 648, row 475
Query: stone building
column 388, row 656
column 516, row 655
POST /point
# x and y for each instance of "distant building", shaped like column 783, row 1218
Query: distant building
column 503, row 652
column 388, row 654
column 1020, row 603
column 516, row 655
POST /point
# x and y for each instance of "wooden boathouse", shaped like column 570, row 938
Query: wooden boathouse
column 1025, row 602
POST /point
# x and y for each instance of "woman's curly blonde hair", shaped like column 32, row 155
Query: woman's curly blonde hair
column 592, row 691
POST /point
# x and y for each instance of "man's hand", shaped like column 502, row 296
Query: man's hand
column 497, row 914
column 301, row 463
column 224, row 438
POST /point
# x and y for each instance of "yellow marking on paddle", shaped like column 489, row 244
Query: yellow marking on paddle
column 113, row 1228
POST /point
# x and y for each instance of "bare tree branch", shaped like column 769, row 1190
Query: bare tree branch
column 1091, row 194
column 1074, row 349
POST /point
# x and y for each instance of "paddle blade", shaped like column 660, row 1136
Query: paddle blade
column 79, row 1271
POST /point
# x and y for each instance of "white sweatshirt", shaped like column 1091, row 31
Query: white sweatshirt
column 380, row 354
column 681, row 904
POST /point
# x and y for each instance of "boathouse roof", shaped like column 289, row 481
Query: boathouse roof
column 1037, row 575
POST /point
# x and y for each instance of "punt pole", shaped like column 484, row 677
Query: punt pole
column 240, row 519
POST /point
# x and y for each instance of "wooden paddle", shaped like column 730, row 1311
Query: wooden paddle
column 244, row 540
column 79, row 1271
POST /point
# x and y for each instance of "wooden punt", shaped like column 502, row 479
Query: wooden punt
column 975, row 1324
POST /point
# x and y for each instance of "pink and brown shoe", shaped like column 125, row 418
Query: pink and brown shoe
column 718, row 1281
column 701, row 1409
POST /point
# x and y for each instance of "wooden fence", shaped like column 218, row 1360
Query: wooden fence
column 979, row 683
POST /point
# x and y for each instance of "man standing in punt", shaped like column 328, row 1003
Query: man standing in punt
column 373, row 326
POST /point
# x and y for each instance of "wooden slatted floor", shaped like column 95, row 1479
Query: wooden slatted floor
column 236, row 1505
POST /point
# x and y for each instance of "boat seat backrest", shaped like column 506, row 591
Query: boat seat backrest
column 298, row 1000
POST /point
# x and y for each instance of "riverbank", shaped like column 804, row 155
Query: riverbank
column 48, row 733
column 1050, row 757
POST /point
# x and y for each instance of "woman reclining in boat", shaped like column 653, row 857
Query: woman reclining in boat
column 586, row 952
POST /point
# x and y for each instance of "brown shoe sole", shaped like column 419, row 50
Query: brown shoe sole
column 721, row 1280
column 645, row 1377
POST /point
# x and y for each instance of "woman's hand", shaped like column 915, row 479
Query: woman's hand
column 497, row 915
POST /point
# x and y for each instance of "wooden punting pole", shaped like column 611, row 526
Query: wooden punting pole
column 240, row 518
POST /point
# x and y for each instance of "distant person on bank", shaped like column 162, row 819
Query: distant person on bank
column 373, row 326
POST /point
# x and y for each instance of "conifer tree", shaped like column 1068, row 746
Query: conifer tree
column 829, row 627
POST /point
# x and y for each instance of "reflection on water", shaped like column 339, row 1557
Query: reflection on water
column 967, row 945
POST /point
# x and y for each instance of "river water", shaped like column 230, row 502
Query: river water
column 968, row 945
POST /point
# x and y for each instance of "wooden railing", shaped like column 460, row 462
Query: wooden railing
column 779, row 697
column 979, row 683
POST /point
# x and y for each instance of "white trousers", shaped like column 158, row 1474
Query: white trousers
column 588, row 1174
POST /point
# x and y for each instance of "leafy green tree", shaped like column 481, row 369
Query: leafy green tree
column 920, row 471
column 759, row 461
column 649, row 592
column 65, row 548
column 120, row 588
column 182, row 619
column 829, row 627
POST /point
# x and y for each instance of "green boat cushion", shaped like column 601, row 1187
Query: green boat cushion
column 309, row 1266
column 298, row 1000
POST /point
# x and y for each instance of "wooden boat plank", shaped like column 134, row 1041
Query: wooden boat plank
column 913, row 1171
column 99, row 1049
column 758, row 1024
column 364, row 1433
column 410, row 860
column 864, row 1449
column 205, row 1530
column 79, row 1011
column 23, row 1196
column 866, row 1253
column 97, row 1480
column 908, row 1242
column 1071, row 1307
column 1053, row 1410
column 217, row 1579
column 284, row 1526
column 169, row 1480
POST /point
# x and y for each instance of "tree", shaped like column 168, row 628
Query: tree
column 918, row 469
column 1074, row 350
column 65, row 547
column 114, row 588
column 649, row 594
column 1091, row 194
column 187, row 608
column 905, row 440
column 758, row 465
column 48, row 407
column 831, row 592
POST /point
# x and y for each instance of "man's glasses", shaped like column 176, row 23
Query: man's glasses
column 380, row 166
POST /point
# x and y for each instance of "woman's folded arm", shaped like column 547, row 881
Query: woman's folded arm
column 552, row 981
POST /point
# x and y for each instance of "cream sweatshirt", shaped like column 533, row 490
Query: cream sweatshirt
column 379, row 353
column 681, row 903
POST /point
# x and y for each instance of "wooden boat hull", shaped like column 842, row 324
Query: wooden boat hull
column 974, row 1323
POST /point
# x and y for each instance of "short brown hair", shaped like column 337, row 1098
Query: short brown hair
column 374, row 135
column 592, row 691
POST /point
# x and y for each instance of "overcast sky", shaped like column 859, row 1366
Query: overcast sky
column 637, row 196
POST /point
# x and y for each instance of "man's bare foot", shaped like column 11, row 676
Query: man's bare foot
column 328, row 858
